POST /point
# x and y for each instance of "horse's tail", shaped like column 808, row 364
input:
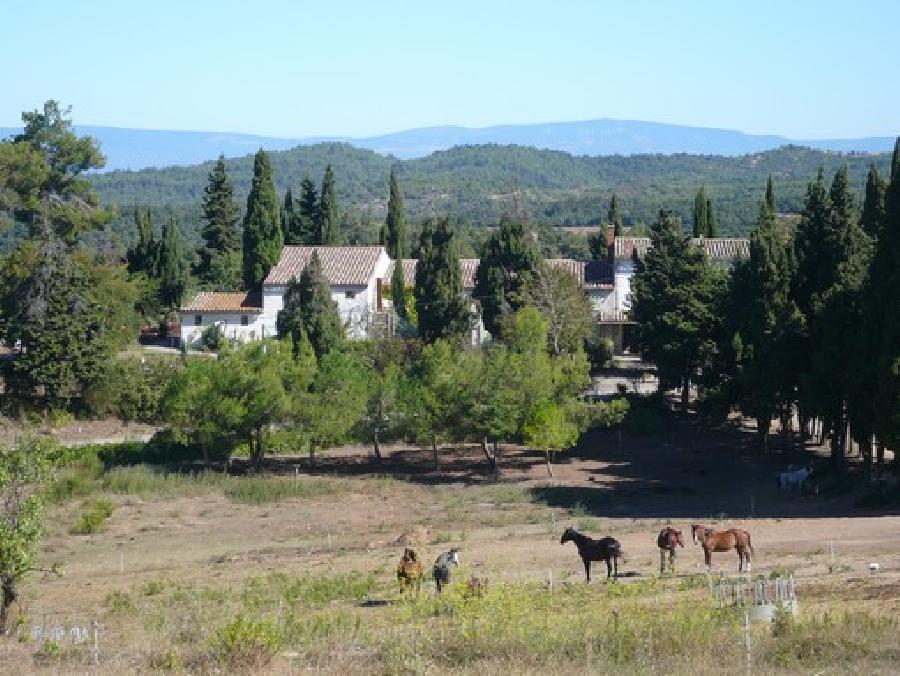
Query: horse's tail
column 750, row 545
column 620, row 553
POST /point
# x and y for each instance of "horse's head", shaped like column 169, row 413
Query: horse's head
column 454, row 556
column 409, row 554
column 698, row 533
column 567, row 536
column 677, row 538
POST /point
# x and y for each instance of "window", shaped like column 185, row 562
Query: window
column 244, row 320
column 198, row 320
column 349, row 294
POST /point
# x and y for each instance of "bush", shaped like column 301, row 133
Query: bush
column 93, row 516
column 247, row 644
column 132, row 388
column 599, row 351
column 645, row 414
column 212, row 339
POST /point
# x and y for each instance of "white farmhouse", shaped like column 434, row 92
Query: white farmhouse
column 352, row 272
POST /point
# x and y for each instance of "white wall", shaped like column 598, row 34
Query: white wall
column 602, row 300
column 229, row 324
column 623, row 273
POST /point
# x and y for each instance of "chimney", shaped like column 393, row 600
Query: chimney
column 610, row 235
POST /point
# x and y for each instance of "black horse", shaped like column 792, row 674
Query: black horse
column 605, row 549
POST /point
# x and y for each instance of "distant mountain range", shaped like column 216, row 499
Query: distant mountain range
column 141, row 148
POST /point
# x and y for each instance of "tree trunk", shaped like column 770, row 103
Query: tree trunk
column 492, row 460
column 762, row 432
column 497, row 458
column 879, row 460
column 838, row 452
column 549, row 464
column 7, row 598
column 434, row 452
column 377, row 445
column 685, row 393
column 312, row 453
column 865, row 449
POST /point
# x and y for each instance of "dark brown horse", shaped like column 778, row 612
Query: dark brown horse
column 667, row 540
column 723, row 541
column 409, row 571
column 605, row 549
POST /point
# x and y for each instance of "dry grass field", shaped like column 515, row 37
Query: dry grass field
column 294, row 570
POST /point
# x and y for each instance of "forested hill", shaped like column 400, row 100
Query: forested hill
column 477, row 184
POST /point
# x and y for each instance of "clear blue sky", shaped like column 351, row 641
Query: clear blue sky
column 799, row 68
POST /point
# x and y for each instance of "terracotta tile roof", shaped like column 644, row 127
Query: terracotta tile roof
column 349, row 265
column 724, row 248
column 467, row 268
column 718, row 248
column 208, row 301
column 573, row 267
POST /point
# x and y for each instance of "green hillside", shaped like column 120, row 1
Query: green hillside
column 476, row 184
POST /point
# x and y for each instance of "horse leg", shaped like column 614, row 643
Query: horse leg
column 609, row 566
column 587, row 568
column 707, row 555
column 747, row 556
column 615, row 566
column 662, row 562
column 672, row 561
column 740, row 554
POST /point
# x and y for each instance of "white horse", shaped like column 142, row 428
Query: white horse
column 794, row 478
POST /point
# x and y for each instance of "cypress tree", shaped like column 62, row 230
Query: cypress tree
column 220, row 215
column 262, row 224
column 395, row 230
column 873, row 206
column 287, row 214
column 700, row 215
column 441, row 306
column 674, row 305
column 614, row 217
column 712, row 229
column 507, row 262
column 770, row 196
column 142, row 257
column 398, row 289
column 302, row 228
column 328, row 224
column 172, row 269
column 310, row 313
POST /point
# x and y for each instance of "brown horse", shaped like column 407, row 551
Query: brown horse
column 409, row 571
column 722, row 541
column 605, row 549
column 667, row 540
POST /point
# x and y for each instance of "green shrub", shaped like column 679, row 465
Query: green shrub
column 263, row 490
column 247, row 644
column 93, row 516
column 132, row 388
column 212, row 339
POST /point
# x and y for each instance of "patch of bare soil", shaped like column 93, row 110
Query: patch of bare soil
column 77, row 432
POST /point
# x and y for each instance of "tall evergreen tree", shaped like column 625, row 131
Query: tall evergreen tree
column 304, row 232
column 287, row 213
column 614, row 217
column 674, row 303
column 700, row 214
column 770, row 196
column 764, row 323
column 172, row 268
column 262, row 224
column 873, row 206
column 885, row 276
column 835, row 313
column 441, row 306
column 143, row 256
column 220, row 230
column 712, row 228
column 328, row 223
column 398, row 289
column 395, row 230
column 310, row 313
column 508, row 259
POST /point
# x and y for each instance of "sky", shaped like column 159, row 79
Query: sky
column 799, row 68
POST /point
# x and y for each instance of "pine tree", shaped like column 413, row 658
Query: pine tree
column 172, row 268
column 395, row 230
column 310, row 313
column 712, row 229
column 507, row 261
column 328, row 223
column 441, row 307
column 398, row 289
column 303, row 231
column 674, row 305
column 700, row 215
column 262, row 224
column 220, row 232
column 614, row 217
